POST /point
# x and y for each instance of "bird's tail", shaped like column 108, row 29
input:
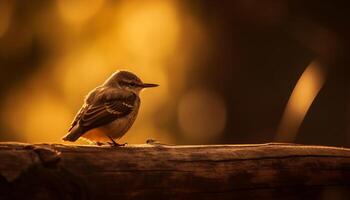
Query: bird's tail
column 73, row 134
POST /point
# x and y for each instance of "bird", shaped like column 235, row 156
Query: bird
column 109, row 110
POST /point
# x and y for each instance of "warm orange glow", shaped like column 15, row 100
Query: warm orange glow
column 304, row 93
column 202, row 115
column 78, row 11
column 141, row 37
column 35, row 112
column 148, row 30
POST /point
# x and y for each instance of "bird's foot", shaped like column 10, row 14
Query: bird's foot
column 114, row 144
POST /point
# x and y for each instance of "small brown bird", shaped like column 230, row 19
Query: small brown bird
column 109, row 110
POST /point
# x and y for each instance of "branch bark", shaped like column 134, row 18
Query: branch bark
column 262, row 171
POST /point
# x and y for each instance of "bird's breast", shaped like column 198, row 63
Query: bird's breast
column 117, row 128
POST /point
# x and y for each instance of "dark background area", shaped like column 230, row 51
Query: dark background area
column 254, row 54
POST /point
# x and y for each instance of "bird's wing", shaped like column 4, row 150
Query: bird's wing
column 87, row 101
column 103, row 112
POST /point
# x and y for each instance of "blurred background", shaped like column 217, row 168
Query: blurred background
column 238, row 71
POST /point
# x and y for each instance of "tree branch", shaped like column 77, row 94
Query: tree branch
column 261, row 171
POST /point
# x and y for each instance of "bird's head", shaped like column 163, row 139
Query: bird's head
column 127, row 81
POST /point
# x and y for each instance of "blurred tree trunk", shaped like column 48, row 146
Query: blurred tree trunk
column 262, row 171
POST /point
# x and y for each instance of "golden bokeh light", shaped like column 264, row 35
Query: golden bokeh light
column 137, row 36
column 53, row 53
column 81, row 72
column 35, row 112
column 78, row 11
column 148, row 30
column 304, row 93
column 202, row 115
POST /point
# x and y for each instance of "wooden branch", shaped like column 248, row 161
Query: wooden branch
column 262, row 171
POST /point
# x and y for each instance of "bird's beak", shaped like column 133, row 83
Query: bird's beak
column 147, row 85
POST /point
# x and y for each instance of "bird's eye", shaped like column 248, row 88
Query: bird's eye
column 132, row 84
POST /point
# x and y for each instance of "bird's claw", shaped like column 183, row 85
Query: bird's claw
column 114, row 144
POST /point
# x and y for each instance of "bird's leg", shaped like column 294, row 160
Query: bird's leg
column 113, row 143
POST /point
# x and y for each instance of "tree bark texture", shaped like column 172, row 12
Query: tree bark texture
column 256, row 171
